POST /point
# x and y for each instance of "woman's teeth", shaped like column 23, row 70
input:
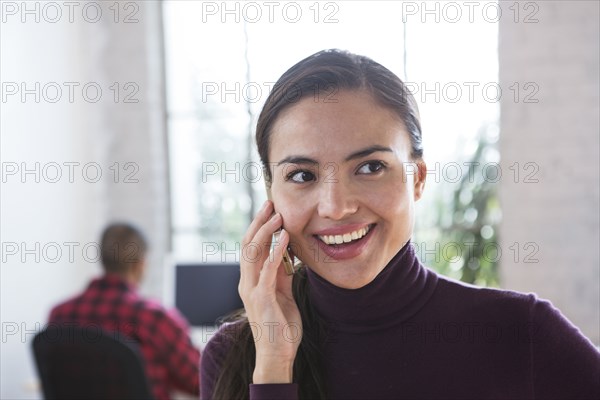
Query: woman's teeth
column 346, row 237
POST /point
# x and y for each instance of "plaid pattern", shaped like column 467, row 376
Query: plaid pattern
column 113, row 305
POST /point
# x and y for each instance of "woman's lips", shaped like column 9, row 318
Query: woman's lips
column 345, row 251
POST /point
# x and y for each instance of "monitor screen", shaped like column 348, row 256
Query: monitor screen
column 204, row 292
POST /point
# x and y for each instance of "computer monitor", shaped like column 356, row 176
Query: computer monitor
column 204, row 292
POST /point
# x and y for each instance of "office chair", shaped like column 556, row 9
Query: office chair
column 88, row 363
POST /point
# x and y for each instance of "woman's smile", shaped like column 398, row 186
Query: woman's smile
column 343, row 234
column 345, row 245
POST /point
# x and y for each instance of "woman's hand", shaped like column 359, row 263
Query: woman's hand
column 266, row 291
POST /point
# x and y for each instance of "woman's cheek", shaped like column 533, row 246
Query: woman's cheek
column 292, row 219
column 398, row 194
column 295, row 221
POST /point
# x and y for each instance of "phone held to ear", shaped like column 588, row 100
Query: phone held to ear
column 288, row 262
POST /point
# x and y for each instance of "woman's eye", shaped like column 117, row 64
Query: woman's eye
column 301, row 176
column 371, row 167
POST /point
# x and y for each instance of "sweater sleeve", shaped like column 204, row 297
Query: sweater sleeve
column 565, row 364
column 214, row 355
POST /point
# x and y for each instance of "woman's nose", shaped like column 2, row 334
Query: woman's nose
column 336, row 200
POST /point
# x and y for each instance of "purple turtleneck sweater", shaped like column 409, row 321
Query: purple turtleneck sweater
column 411, row 334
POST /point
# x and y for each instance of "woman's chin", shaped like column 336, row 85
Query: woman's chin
column 344, row 275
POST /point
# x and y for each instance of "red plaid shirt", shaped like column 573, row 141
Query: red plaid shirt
column 114, row 305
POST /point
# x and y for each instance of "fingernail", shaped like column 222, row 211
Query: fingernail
column 276, row 217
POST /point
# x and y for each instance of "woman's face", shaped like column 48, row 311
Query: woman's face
column 345, row 184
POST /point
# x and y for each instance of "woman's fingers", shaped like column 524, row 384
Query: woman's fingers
column 251, row 251
column 261, row 218
column 265, row 301
column 256, row 250
column 268, row 273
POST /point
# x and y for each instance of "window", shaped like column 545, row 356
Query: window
column 223, row 57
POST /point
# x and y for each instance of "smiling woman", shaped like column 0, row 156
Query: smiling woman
column 355, row 181
column 340, row 140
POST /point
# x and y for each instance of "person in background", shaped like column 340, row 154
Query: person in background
column 112, row 303
column 363, row 318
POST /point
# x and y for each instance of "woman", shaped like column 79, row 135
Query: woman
column 340, row 140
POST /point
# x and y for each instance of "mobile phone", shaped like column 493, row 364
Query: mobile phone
column 288, row 262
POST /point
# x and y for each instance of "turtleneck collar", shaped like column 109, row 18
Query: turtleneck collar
column 397, row 293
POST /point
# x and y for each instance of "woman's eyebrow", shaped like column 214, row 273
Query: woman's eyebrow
column 357, row 154
column 297, row 160
column 367, row 151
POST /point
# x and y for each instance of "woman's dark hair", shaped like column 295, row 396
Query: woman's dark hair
column 328, row 72
column 323, row 73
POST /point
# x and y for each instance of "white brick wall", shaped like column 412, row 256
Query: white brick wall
column 560, row 134
column 41, row 212
column 133, row 132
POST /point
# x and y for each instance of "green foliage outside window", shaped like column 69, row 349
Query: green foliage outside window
column 466, row 215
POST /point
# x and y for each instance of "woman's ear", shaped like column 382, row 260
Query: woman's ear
column 420, row 178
